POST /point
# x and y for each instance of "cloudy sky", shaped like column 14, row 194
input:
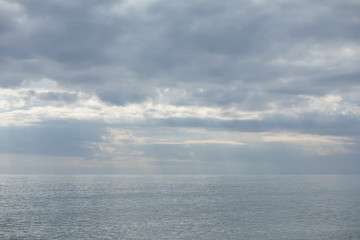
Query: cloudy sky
column 180, row 87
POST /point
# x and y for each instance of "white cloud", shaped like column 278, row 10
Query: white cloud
column 46, row 100
column 25, row 106
column 330, row 104
column 312, row 144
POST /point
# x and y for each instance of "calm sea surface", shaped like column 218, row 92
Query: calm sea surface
column 179, row 207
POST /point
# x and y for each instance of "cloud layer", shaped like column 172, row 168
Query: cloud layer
column 159, row 86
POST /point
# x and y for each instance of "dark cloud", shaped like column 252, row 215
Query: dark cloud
column 59, row 97
column 125, row 93
column 180, row 42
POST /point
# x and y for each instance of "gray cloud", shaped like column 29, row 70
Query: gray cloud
column 58, row 97
column 186, row 42
column 239, row 66
column 307, row 123
column 56, row 138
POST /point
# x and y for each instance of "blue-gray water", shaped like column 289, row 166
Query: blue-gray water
column 179, row 207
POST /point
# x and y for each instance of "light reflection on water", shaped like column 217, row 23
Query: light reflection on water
column 179, row 207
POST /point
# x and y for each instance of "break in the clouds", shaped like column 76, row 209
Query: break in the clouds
column 153, row 86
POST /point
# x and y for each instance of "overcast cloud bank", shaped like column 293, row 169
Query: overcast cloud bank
column 154, row 86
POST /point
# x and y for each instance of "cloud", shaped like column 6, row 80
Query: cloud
column 284, row 70
column 313, row 144
column 54, row 138
column 162, row 43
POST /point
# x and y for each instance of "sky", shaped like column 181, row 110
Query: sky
column 180, row 87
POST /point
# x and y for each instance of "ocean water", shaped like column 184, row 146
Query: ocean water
column 180, row 207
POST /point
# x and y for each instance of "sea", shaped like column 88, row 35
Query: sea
column 180, row 207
